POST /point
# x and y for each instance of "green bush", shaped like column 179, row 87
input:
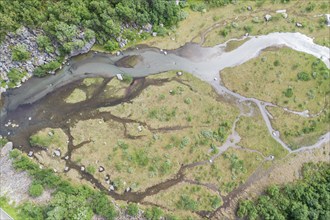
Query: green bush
column 132, row 209
column 303, row 76
column 127, row 78
column 288, row 92
column 153, row 213
column 111, row 45
column 43, row 70
column 15, row 76
column 91, row 169
column 20, row 53
column 36, row 190
column 187, row 203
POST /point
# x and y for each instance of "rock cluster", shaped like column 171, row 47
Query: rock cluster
column 27, row 38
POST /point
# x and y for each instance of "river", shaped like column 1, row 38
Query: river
column 204, row 63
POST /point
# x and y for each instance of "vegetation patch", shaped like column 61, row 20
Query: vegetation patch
column 76, row 96
column 302, row 84
column 50, row 138
column 304, row 199
column 298, row 131
column 187, row 199
column 233, row 44
column 228, row 171
column 255, row 135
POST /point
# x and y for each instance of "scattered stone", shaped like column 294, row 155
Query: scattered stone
column 30, row 118
column 107, row 177
column 215, row 79
column 139, row 128
column 128, row 189
column 66, row 157
column 55, row 170
column 30, row 154
column 57, row 152
column 285, row 15
column 154, row 34
column 118, row 53
column 165, row 52
column 327, row 17
column 280, row 11
column 179, row 73
column 101, row 169
column 246, row 34
column 111, row 188
column 211, row 161
column 82, row 168
column 249, row 8
column 51, row 133
column 299, row 24
column 119, row 77
column 268, row 17
column 66, row 169
column 271, row 157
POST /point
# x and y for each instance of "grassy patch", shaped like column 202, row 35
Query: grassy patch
column 50, row 138
column 76, row 96
column 236, row 20
column 255, row 135
column 233, row 44
column 299, row 131
column 227, row 171
column 9, row 208
column 165, row 138
column 299, row 84
column 186, row 198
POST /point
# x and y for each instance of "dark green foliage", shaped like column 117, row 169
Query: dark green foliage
column 111, row 45
column 198, row 6
column 62, row 20
column 127, row 78
column 307, row 198
column 20, row 53
column 43, row 70
column 303, row 76
column 132, row 209
column 35, row 190
column 102, row 206
column 218, row 3
column 277, row 63
column 45, row 44
column 288, row 92
column 3, row 141
column 153, row 213
column 15, row 76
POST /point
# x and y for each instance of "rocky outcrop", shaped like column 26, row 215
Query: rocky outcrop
column 84, row 49
column 28, row 39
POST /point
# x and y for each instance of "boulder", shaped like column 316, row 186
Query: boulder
column 268, row 17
